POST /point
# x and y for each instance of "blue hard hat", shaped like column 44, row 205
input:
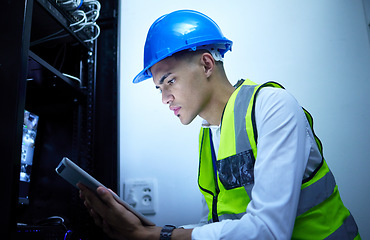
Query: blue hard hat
column 177, row 31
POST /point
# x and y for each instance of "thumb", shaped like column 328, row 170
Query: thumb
column 105, row 195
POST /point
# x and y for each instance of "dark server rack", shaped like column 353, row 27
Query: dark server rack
column 71, row 84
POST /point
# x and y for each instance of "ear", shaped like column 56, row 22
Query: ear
column 208, row 63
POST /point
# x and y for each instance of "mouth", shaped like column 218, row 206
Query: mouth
column 175, row 110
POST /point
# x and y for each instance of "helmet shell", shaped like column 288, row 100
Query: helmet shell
column 177, row 31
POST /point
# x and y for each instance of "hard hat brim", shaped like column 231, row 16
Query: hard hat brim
column 145, row 73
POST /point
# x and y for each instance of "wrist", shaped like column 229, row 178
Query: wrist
column 145, row 232
column 155, row 232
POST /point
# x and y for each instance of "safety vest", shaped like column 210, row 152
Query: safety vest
column 226, row 182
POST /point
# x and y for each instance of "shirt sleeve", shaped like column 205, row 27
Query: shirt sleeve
column 283, row 148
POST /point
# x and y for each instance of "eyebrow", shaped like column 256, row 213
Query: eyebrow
column 163, row 78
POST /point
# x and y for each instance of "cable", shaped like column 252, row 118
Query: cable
column 95, row 11
column 97, row 34
column 69, row 5
column 81, row 13
column 67, row 235
column 48, row 38
column 81, row 22
column 72, row 77
column 87, row 12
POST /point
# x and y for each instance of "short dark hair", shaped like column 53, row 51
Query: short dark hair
column 188, row 55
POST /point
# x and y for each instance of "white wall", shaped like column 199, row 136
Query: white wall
column 319, row 50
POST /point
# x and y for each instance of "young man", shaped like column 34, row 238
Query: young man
column 261, row 168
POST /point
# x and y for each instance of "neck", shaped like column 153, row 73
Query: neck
column 222, row 90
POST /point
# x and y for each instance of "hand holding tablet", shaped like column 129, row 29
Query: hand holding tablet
column 74, row 174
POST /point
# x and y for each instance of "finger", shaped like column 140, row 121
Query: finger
column 106, row 228
column 87, row 205
column 120, row 211
column 97, row 218
column 92, row 201
column 89, row 195
column 82, row 197
column 107, row 196
column 81, row 186
column 83, row 191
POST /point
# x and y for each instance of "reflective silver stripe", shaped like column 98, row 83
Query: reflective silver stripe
column 240, row 110
column 248, row 189
column 238, row 170
column 348, row 230
column 229, row 216
column 316, row 193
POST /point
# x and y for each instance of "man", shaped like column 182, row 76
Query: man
column 261, row 168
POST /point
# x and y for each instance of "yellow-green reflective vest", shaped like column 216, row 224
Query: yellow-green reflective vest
column 227, row 183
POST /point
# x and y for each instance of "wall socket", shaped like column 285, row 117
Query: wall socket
column 141, row 194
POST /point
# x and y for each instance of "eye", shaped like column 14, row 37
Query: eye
column 158, row 88
column 170, row 82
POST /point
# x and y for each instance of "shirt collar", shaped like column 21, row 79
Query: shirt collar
column 206, row 124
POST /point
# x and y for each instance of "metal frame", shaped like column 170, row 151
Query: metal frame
column 93, row 125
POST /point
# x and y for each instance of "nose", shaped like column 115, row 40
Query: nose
column 167, row 97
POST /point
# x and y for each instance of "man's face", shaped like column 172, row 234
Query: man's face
column 183, row 85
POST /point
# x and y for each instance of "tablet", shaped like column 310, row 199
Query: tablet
column 74, row 174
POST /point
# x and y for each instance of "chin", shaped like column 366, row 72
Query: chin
column 185, row 121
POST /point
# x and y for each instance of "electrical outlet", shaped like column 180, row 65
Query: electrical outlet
column 141, row 194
